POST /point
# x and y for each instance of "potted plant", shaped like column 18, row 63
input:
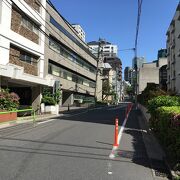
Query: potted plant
column 9, row 101
column 50, row 101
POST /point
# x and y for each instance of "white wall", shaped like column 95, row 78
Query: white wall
column 8, row 36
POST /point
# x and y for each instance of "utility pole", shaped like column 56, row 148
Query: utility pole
column 136, row 71
column 100, row 42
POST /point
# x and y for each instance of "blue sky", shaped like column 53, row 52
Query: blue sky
column 115, row 20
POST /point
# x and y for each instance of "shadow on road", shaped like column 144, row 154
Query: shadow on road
column 105, row 115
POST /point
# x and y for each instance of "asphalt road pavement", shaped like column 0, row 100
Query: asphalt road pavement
column 75, row 147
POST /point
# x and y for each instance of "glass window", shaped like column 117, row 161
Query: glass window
column 54, row 46
column 55, row 71
column 30, row 25
column 85, row 82
column 74, row 78
column 26, row 58
column 80, row 80
column 70, row 55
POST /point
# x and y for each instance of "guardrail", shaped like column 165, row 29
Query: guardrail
column 22, row 110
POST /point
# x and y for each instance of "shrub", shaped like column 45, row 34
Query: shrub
column 152, row 90
column 167, row 128
column 159, row 101
column 8, row 101
column 47, row 100
column 50, row 98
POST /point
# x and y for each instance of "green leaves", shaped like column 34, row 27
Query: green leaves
column 8, row 101
column 165, row 121
column 50, row 98
column 159, row 101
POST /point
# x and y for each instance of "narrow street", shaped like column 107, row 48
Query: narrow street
column 73, row 147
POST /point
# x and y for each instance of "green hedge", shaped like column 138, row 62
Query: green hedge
column 167, row 128
column 159, row 101
column 47, row 100
column 152, row 90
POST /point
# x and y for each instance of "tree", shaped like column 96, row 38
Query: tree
column 129, row 90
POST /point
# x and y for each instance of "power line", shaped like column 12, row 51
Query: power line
column 138, row 25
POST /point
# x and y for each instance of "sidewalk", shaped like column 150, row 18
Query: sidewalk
column 156, row 155
column 43, row 117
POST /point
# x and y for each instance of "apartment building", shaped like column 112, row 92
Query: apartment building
column 173, row 51
column 81, row 33
column 22, row 49
column 108, row 49
column 69, row 60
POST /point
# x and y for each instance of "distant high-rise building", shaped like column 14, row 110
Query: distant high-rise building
column 162, row 53
column 79, row 31
column 108, row 49
column 128, row 74
column 138, row 62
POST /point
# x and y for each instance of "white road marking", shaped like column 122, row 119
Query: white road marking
column 43, row 122
column 112, row 155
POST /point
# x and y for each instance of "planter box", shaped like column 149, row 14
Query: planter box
column 8, row 117
column 52, row 109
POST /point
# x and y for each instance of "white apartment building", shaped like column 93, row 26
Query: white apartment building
column 81, row 33
column 108, row 49
column 22, row 49
column 173, row 48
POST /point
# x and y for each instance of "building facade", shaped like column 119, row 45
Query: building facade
column 108, row 49
column 162, row 53
column 128, row 74
column 81, row 33
column 163, row 77
column 69, row 61
column 22, row 50
column 173, row 51
column 116, row 83
column 149, row 73
column 138, row 62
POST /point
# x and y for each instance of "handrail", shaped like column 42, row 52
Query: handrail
column 21, row 110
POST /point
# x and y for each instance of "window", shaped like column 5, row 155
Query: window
column 69, row 35
column 30, row 25
column 26, row 58
column 54, row 45
column 60, row 72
